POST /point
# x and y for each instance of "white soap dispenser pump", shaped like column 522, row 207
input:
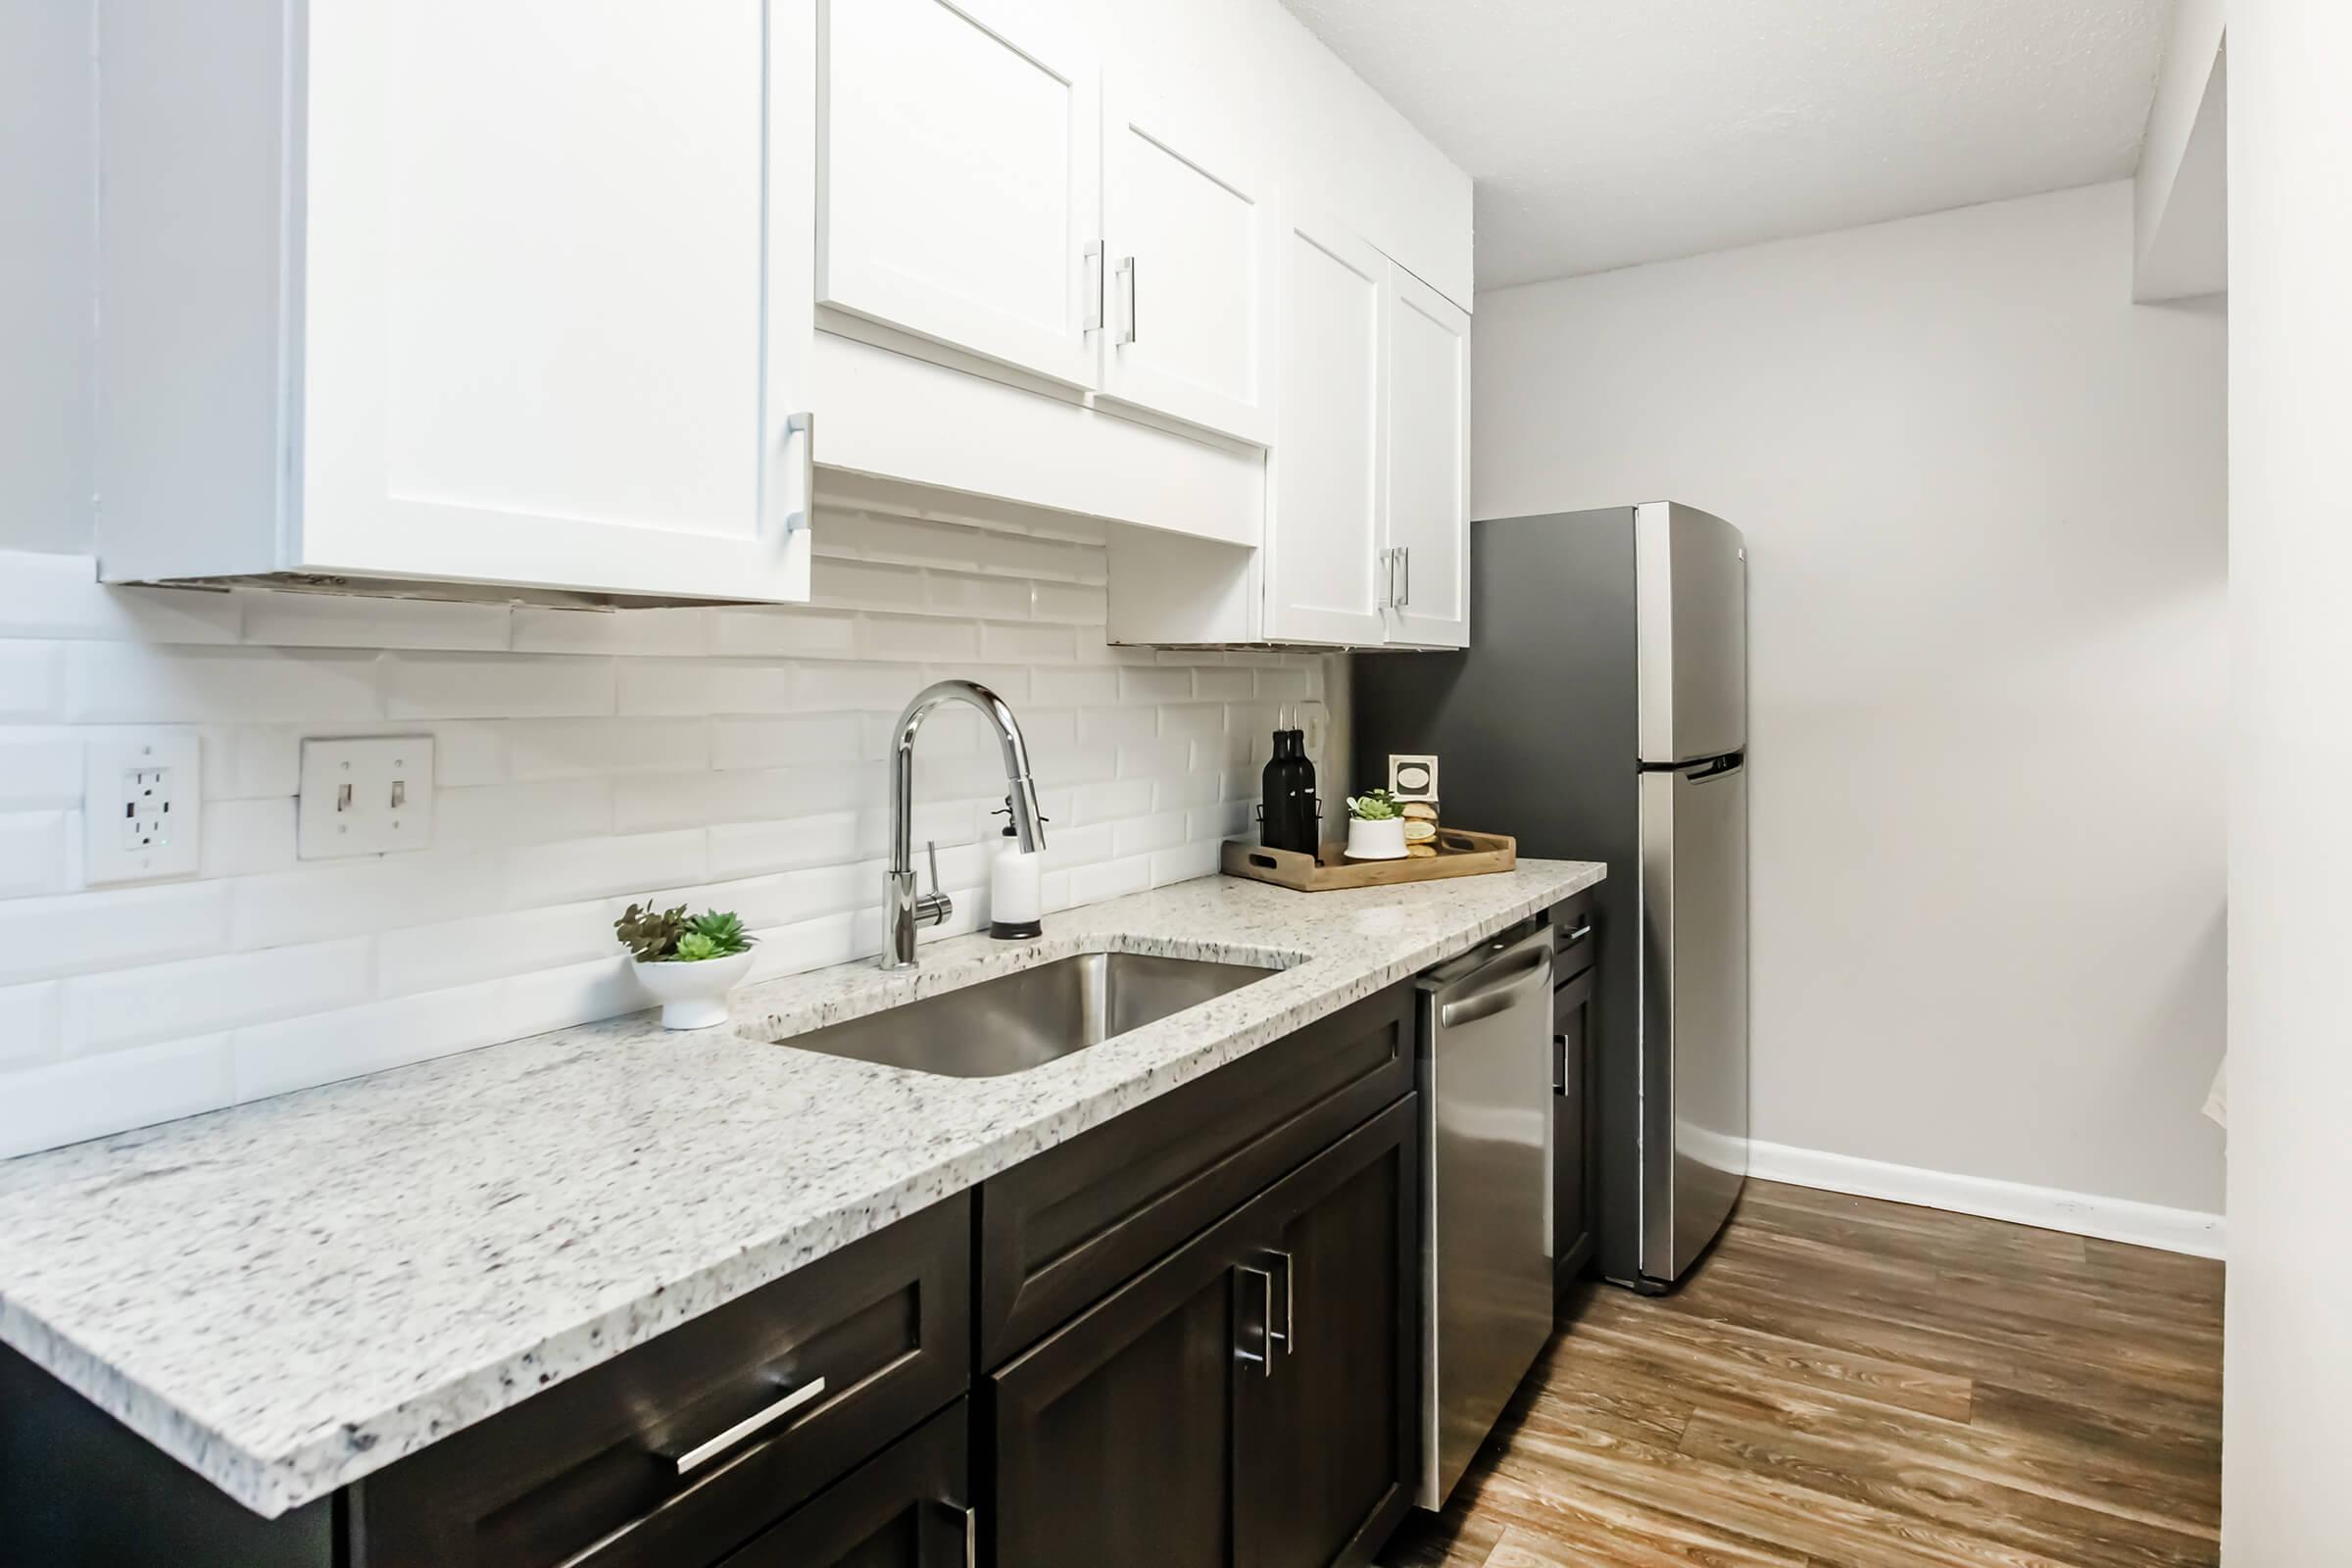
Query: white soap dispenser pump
column 1014, row 905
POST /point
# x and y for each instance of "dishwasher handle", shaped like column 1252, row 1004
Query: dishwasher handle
column 1498, row 987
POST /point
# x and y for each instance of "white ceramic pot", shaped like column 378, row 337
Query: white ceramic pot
column 1375, row 841
column 693, row 995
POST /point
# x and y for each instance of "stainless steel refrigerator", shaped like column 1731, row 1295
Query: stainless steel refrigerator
column 1600, row 713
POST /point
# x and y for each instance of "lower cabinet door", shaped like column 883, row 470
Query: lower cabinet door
column 1114, row 1435
column 908, row 1506
column 1326, row 1441
column 1570, row 1144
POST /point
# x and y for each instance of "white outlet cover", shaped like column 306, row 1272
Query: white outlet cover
column 372, row 795
column 142, row 808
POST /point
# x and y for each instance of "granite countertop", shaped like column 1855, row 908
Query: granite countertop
column 292, row 1294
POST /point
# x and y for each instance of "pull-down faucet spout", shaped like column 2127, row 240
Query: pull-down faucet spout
column 908, row 910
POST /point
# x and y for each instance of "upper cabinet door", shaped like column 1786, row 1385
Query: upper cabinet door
column 1189, row 239
column 1429, row 465
column 1323, row 572
column 961, row 147
column 554, row 270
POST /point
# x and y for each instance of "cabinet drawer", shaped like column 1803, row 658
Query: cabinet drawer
column 1061, row 1230
column 684, row 1448
column 1573, row 946
column 908, row 1506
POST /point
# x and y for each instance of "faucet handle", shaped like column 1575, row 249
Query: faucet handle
column 933, row 908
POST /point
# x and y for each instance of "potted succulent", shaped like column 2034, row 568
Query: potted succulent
column 1375, row 827
column 688, row 965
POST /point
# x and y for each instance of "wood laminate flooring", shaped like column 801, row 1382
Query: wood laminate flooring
column 1850, row 1383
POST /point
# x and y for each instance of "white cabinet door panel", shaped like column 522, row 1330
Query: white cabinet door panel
column 1323, row 539
column 1188, row 234
column 962, row 156
column 1428, row 383
column 539, row 341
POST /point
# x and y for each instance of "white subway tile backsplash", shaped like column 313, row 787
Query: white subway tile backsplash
column 80, row 932
column 1080, row 604
column 675, row 632
column 36, row 849
column 510, row 686
column 133, row 683
column 66, row 1101
column 1021, row 644
column 277, row 1058
column 60, row 596
column 129, row 1007
column 28, row 1026
column 587, row 868
column 39, row 768
column 573, row 748
column 457, row 953
column 918, row 639
column 330, row 620
column 30, row 681
column 732, row 756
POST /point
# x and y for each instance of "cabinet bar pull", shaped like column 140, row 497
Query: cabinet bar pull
column 1265, row 1281
column 1094, row 287
column 971, row 1537
column 1579, row 934
column 702, row 1454
column 803, row 426
column 1287, row 1337
column 1127, row 280
column 1405, row 562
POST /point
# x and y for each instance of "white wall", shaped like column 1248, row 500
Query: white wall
column 47, row 183
column 1983, row 497
column 2288, row 1386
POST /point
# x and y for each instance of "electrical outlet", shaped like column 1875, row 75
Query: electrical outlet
column 364, row 797
column 141, row 809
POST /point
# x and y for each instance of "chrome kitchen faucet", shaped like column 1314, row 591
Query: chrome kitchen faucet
column 908, row 910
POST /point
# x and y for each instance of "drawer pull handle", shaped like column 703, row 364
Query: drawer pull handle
column 702, row 1454
column 1578, row 935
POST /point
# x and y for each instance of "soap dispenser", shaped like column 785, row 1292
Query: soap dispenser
column 1014, row 905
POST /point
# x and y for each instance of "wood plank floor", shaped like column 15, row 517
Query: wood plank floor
column 1851, row 1384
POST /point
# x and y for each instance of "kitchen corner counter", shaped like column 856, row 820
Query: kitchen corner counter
column 290, row 1295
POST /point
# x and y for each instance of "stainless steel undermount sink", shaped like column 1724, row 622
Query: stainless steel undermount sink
column 1023, row 1020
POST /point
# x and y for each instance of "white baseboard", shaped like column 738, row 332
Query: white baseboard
column 2051, row 1209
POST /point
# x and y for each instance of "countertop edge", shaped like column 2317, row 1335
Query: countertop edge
column 271, row 1484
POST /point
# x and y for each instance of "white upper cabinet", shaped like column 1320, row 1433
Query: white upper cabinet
column 1427, row 391
column 1189, row 243
column 1326, row 526
column 962, row 152
column 530, row 270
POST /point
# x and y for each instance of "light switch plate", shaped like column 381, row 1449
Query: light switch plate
column 142, row 805
column 372, row 795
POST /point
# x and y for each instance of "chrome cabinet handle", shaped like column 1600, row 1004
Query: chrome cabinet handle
column 1579, row 934
column 702, row 1454
column 1404, row 564
column 1264, row 1363
column 1559, row 1064
column 971, row 1537
column 1287, row 1339
column 803, row 426
column 1127, row 283
column 1092, row 287
column 1388, row 580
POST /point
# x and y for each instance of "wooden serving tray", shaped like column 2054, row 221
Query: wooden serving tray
column 1459, row 854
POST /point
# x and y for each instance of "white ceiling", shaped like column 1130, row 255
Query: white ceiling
column 1607, row 132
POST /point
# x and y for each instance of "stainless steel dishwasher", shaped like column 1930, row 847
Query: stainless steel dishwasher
column 1486, row 1153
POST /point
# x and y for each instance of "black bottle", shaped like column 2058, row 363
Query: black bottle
column 1287, row 810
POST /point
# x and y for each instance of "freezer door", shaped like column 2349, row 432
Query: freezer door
column 1693, row 1011
column 1690, row 599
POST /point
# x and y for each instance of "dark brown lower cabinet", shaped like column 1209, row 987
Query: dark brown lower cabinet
column 1572, row 1041
column 1246, row 1402
column 910, row 1507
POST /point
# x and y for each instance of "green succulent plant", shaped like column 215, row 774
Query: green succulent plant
column 668, row 935
column 1373, row 806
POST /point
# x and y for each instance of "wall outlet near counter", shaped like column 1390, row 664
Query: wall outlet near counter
column 142, row 806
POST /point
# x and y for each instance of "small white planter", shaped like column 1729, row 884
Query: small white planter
column 1375, row 841
column 693, row 995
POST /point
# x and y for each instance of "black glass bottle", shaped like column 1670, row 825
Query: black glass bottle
column 1287, row 810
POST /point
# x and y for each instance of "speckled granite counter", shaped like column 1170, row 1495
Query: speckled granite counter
column 292, row 1294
